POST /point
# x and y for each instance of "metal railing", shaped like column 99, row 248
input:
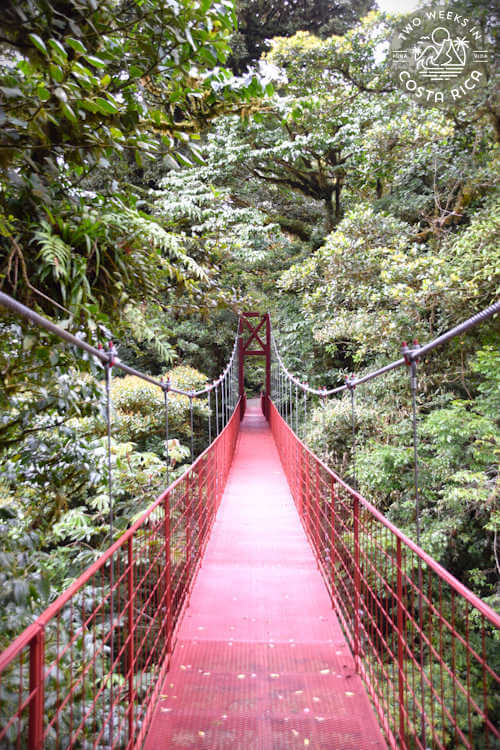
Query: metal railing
column 423, row 643
column 87, row 673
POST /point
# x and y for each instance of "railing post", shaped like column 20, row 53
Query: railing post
column 356, row 583
column 187, row 520
column 37, row 702
column 131, row 640
column 168, row 575
column 317, row 524
column 308, row 496
column 241, row 374
column 202, row 506
column 333, row 541
column 300, row 496
column 401, row 692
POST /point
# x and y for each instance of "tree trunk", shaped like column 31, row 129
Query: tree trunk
column 330, row 216
column 338, row 209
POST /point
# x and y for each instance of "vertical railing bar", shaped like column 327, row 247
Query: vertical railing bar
column 223, row 403
column 333, row 541
column 296, row 409
column 130, row 643
column 356, row 584
column 399, row 604
column 216, row 406
column 36, row 688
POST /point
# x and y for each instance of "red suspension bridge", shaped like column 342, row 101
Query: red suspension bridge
column 259, row 603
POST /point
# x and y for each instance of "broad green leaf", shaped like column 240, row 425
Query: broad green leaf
column 104, row 106
column 58, row 48
column 76, row 44
column 42, row 93
column 38, row 43
column 116, row 133
column 56, row 72
column 95, row 61
column 68, row 112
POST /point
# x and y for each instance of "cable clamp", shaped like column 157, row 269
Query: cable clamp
column 349, row 381
column 406, row 352
column 417, row 347
column 165, row 385
column 410, row 354
column 112, row 353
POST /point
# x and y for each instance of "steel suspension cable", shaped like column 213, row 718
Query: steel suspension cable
column 110, row 359
column 25, row 312
column 459, row 329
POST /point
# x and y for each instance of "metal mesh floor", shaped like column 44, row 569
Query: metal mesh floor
column 261, row 662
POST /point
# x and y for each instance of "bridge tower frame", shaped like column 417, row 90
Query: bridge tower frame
column 252, row 343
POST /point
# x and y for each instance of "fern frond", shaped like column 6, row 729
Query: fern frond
column 54, row 254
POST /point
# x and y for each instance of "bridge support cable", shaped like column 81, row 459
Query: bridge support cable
column 351, row 389
column 305, row 415
column 191, row 426
column 166, row 389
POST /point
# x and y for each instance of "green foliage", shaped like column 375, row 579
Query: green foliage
column 139, row 409
column 383, row 286
column 85, row 91
column 259, row 21
column 101, row 78
column 459, row 447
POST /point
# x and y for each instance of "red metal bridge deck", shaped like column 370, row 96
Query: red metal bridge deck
column 260, row 662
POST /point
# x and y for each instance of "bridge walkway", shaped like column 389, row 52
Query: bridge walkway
column 260, row 662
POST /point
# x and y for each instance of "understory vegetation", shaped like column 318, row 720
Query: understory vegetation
column 153, row 186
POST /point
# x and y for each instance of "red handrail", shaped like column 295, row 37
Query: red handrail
column 422, row 642
column 88, row 671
